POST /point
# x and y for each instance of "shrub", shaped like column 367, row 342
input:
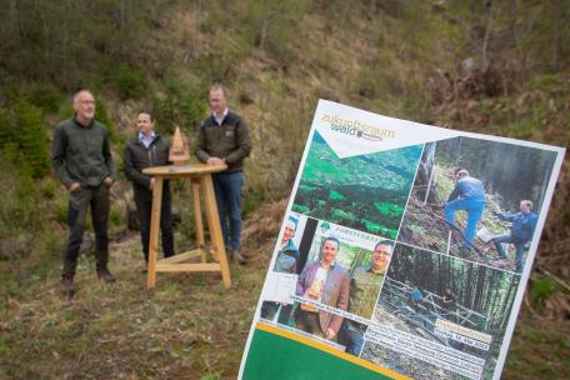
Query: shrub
column 20, row 213
column 129, row 81
column 182, row 105
column 269, row 24
column 23, row 139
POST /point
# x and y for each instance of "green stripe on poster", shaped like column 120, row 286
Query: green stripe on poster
column 273, row 356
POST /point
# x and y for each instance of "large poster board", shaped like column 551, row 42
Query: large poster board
column 404, row 252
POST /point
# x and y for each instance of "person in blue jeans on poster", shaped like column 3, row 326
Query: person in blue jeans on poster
column 468, row 195
column 522, row 230
column 223, row 138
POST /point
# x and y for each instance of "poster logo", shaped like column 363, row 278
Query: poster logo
column 357, row 128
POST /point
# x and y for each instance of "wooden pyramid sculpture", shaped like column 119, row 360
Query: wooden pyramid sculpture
column 179, row 151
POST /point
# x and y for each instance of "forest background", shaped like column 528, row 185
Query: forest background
column 496, row 67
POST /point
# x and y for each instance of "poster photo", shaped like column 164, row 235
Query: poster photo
column 456, row 308
column 331, row 304
column 404, row 252
column 486, row 193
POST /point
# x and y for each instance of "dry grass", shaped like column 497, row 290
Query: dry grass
column 189, row 327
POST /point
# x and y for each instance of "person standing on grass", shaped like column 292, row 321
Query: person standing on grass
column 81, row 155
column 224, row 138
column 144, row 150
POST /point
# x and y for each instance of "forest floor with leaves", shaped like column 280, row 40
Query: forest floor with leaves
column 188, row 327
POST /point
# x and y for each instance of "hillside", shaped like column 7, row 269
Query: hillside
column 501, row 68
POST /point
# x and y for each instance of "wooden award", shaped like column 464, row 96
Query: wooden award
column 314, row 292
column 179, row 151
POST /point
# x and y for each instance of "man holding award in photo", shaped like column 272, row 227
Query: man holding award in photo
column 326, row 282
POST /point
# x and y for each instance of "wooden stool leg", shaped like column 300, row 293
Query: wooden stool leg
column 154, row 231
column 215, row 228
column 198, row 218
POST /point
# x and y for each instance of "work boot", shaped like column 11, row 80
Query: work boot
column 105, row 275
column 230, row 254
column 238, row 256
column 68, row 285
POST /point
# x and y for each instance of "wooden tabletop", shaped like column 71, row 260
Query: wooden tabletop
column 184, row 170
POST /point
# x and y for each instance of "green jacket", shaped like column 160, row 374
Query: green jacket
column 229, row 141
column 82, row 154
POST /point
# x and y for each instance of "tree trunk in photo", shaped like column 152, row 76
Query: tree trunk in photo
column 480, row 287
column 511, row 293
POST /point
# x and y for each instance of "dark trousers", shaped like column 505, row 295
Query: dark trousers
column 79, row 202
column 308, row 322
column 519, row 249
column 227, row 187
column 352, row 337
column 269, row 310
column 143, row 201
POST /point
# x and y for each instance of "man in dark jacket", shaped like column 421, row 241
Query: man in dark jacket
column 223, row 138
column 144, row 150
column 468, row 195
column 522, row 229
column 82, row 160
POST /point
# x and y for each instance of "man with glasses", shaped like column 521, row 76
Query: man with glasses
column 364, row 287
column 82, row 161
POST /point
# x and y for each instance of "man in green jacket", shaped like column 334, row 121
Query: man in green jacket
column 224, row 139
column 82, row 160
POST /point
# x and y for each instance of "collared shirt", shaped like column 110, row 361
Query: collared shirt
column 147, row 140
column 364, row 290
column 219, row 120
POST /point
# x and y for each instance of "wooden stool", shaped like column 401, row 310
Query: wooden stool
column 201, row 177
